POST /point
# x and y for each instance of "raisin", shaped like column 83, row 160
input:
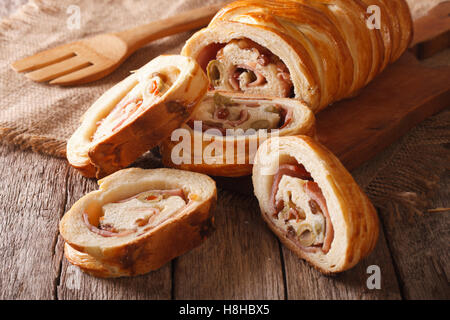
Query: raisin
column 291, row 231
column 223, row 113
column 314, row 206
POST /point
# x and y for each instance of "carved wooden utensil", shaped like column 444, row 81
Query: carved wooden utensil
column 94, row 58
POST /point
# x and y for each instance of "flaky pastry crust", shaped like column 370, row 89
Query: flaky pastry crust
column 326, row 45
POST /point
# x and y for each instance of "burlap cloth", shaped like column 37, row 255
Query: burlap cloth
column 41, row 117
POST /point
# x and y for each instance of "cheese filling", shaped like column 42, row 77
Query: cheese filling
column 147, row 91
column 300, row 210
column 244, row 65
column 139, row 213
column 222, row 112
column 297, row 214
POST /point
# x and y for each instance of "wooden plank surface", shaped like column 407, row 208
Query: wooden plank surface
column 304, row 282
column 419, row 244
column 32, row 200
column 241, row 260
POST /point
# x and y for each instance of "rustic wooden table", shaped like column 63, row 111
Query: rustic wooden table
column 241, row 260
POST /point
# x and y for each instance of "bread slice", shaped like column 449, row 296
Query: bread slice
column 311, row 202
column 138, row 220
column 136, row 115
column 261, row 117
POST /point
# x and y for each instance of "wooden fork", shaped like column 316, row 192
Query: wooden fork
column 94, row 58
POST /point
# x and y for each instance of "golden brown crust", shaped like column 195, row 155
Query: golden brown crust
column 302, row 122
column 102, row 156
column 88, row 263
column 87, row 169
column 147, row 255
column 140, row 253
column 326, row 45
column 353, row 217
column 121, row 149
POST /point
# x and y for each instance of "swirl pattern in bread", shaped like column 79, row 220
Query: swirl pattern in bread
column 138, row 220
column 136, row 115
column 311, row 202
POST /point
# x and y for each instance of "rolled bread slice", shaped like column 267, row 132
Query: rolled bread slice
column 136, row 114
column 138, row 220
column 226, row 129
column 311, row 202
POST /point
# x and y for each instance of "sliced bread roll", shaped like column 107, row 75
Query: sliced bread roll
column 316, row 51
column 136, row 114
column 311, row 202
column 226, row 129
column 138, row 220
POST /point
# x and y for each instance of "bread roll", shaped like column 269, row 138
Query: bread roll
column 136, row 115
column 138, row 220
column 226, row 129
column 311, row 202
column 317, row 51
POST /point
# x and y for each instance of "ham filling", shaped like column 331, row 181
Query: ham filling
column 222, row 112
column 139, row 213
column 143, row 95
column 300, row 209
column 243, row 65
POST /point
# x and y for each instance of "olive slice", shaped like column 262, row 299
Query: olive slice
column 272, row 109
column 213, row 70
column 221, row 100
column 306, row 235
column 260, row 124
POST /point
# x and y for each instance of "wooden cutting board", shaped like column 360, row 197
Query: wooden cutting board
column 356, row 129
column 405, row 94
